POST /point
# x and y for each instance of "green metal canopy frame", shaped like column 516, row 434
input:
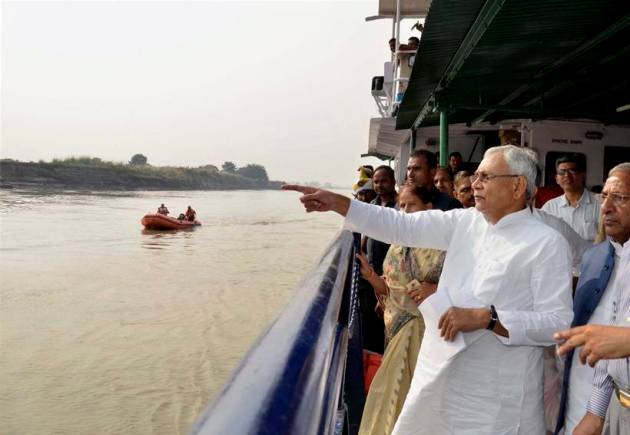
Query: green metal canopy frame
column 497, row 59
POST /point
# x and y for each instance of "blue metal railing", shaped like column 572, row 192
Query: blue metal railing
column 304, row 374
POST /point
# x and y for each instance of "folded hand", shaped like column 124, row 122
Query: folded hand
column 456, row 320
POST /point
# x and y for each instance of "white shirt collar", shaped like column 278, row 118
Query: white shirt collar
column 618, row 247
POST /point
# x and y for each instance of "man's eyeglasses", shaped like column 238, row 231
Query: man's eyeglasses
column 616, row 198
column 484, row 178
column 563, row 172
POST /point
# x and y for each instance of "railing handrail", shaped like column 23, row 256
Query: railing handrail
column 290, row 380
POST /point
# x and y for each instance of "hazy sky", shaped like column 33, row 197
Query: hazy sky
column 283, row 84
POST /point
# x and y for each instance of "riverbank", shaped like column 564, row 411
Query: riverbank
column 117, row 176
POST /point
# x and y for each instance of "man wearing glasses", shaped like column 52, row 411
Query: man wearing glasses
column 610, row 384
column 463, row 189
column 504, row 290
column 578, row 207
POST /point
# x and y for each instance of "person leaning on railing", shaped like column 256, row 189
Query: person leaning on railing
column 410, row 275
column 406, row 55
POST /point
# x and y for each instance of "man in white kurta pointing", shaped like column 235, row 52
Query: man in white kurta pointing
column 506, row 279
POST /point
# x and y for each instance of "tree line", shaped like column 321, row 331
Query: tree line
column 252, row 170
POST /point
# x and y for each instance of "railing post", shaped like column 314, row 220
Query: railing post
column 353, row 387
column 443, row 138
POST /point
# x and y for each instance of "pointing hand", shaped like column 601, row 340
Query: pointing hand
column 597, row 342
column 315, row 199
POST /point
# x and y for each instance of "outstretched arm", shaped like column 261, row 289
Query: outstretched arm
column 320, row 200
column 426, row 229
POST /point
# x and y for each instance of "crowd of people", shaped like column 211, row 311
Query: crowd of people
column 189, row 215
column 469, row 291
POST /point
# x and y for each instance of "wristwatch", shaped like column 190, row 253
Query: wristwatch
column 493, row 318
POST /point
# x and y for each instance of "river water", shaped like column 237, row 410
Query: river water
column 109, row 329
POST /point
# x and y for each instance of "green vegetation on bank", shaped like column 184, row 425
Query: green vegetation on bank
column 94, row 173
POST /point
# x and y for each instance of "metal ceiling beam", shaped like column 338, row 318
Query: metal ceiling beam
column 499, row 108
column 594, row 95
column 565, row 84
column 488, row 12
column 428, row 108
column 578, row 51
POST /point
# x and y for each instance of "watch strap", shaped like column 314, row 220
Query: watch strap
column 493, row 318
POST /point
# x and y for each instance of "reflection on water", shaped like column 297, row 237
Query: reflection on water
column 113, row 329
column 161, row 239
column 20, row 198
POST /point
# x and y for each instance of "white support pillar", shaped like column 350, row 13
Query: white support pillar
column 404, row 159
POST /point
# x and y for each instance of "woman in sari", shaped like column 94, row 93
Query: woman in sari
column 410, row 275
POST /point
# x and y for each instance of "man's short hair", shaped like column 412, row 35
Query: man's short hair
column 425, row 195
column 447, row 170
column 521, row 162
column 534, row 155
column 578, row 159
column 414, row 39
column 460, row 176
column 428, row 155
column 455, row 154
column 388, row 170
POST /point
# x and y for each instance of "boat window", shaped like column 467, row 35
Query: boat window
column 613, row 155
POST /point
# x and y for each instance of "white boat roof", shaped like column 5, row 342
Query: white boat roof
column 408, row 9
column 384, row 140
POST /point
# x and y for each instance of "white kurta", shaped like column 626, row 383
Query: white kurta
column 521, row 266
column 576, row 243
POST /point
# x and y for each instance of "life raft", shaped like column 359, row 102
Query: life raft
column 156, row 221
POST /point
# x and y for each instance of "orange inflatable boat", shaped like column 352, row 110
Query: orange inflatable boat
column 156, row 221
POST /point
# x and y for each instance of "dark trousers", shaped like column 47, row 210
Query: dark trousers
column 372, row 326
